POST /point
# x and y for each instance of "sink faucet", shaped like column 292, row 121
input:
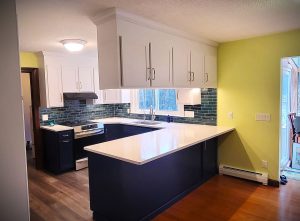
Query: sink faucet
column 152, row 113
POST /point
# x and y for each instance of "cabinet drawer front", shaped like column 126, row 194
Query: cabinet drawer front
column 65, row 135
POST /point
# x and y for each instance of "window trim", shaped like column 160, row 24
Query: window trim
column 134, row 107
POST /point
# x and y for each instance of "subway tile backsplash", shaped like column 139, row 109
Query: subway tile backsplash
column 205, row 113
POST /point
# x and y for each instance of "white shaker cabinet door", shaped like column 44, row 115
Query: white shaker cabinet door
column 197, row 67
column 86, row 78
column 161, row 55
column 210, row 71
column 70, row 78
column 54, row 86
column 181, row 64
column 134, row 47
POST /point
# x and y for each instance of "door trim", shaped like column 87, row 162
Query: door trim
column 35, row 98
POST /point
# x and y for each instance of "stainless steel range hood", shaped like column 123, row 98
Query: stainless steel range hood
column 80, row 96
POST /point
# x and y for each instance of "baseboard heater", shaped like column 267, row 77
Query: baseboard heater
column 244, row 174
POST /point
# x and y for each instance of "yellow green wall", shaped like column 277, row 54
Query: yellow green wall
column 28, row 59
column 249, row 82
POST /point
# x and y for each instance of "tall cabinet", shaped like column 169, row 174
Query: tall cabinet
column 135, row 52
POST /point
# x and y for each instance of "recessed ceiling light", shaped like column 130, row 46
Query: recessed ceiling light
column 73, row 44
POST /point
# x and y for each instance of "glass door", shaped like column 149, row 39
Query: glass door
column 285, row 110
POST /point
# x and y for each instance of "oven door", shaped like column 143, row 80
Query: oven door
column 80, row 143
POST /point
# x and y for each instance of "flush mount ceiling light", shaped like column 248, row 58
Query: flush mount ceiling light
column 73, row 44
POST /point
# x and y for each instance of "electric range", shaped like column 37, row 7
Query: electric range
column 86, row 133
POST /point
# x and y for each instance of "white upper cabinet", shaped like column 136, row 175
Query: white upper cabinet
column 181, row 63
column 134, row 45
column 135, row 52
column 50, row 81
column 62, row 73
column 160, row 52
column 54, row 86
column 210, row 72
column 69, row 78
column 196, row 59
column 86, row 78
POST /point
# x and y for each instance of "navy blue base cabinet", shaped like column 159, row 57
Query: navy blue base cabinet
column 125, row 191
column 58, row 151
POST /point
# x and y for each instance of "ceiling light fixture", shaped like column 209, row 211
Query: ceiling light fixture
column 73, row 44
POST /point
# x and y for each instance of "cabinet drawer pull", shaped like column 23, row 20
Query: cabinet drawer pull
column 66, row 141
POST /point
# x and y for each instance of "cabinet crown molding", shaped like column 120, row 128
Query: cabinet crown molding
column 116, row 13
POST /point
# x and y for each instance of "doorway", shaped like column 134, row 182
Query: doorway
column 31, row 104
column 290, row 118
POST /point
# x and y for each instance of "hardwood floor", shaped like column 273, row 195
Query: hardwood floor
column 65, row 197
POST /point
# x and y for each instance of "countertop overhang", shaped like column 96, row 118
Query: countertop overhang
column 146, row 147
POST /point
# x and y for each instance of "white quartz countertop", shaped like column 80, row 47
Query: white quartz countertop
column 57, row 128
column 143, row 148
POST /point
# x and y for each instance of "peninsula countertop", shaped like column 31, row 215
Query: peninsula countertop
column 146, row 147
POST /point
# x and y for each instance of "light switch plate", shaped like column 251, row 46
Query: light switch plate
column 230, row 115
column 262, row 117
column 189, row 114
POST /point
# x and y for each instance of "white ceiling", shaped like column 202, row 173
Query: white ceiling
column 43, row 23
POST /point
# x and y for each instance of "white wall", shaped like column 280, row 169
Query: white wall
column 13, row 170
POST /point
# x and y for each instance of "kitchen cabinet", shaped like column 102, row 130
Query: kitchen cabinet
column 138, row 53
column 112, row 96
column 210, row 72
column 50, row 81
column 59, row 151
column 187, row 64
column 117, row 131
column 134, row 46
column 209, row 158
column 69, row 78
column 64, row 73
column 158, row 184
column 54, row 86
column 77, row 78
column 86, row 78
column 160, row 64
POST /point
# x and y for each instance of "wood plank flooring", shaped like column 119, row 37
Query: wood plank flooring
column 65, row 197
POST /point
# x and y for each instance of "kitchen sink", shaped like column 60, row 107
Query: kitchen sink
column 147, row 122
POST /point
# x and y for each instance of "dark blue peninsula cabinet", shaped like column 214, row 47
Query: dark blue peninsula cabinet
column 125, row 191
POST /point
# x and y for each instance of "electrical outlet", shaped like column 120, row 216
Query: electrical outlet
column 264, row 163
column 128, row 110
column 189, row 114
column 230, row 115
column 44, row 117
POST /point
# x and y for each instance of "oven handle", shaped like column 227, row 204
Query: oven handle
column 88, row 135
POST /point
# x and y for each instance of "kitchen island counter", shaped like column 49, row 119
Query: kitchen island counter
column 143, row 148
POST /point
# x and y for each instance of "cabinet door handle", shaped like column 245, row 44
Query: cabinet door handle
column 193, row 74
column 80, row 84
column 190, row 76
column 61, row 97
column 66, row 141
column 206, row 77
column 177, row 95
column 153, row 71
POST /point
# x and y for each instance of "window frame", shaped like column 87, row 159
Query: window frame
column 134, row 107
